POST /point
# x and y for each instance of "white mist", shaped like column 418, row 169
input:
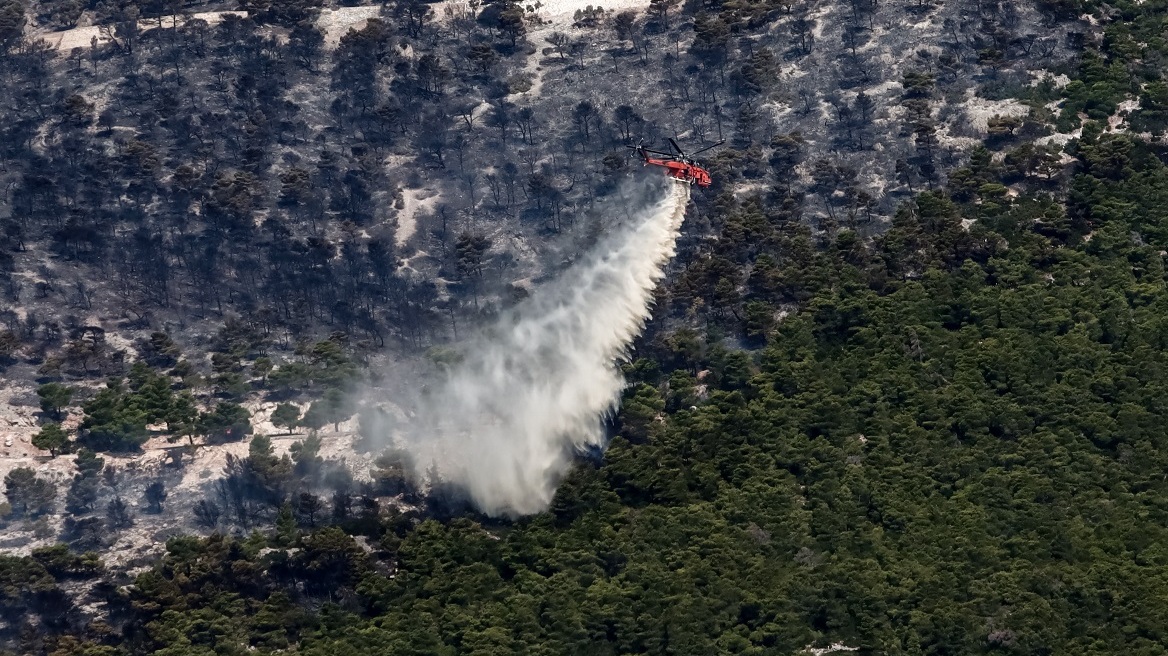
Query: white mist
column 534, row 387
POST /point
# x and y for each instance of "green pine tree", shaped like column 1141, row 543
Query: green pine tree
column 286, row 532
column 54, row 398
column 336, row 407
column 286, row 415
column 28, row 495
column 51, row 438
column 316, row 417
column 182, row 415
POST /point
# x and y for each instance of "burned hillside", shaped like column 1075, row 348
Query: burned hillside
column 394, row 180
column 250, row 204
column 278, row 375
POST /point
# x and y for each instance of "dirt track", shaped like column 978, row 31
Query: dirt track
column 336, row 22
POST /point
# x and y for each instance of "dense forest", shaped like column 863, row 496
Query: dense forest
column 912, row 414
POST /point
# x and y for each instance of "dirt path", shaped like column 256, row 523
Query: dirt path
column 414, row 201
column 559, row 10
column 82, row 37
column 333, row 22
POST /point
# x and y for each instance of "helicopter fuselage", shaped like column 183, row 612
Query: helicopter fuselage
column 679, row 170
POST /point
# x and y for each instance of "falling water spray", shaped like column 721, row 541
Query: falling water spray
column 533, row 389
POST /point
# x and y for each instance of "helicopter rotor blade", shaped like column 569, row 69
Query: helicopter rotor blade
column 720, row 142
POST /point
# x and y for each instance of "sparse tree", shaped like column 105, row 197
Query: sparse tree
column 511, row 23
column 413, row 15
column 286, row 415
column 182, row 415
column 336, row 407
column 9, row 342
column 525, row 119
column 316, row 417
column 308, row 507
column 627, row 119
column 82, row 495
column 118, row 514
column 51, row 438
column 27, row 494
column 155, row 495
column 11, row 22
column 262, row 367
column 499, row 116
column 559, row 42
column 623, row 23
column 659, row 10
column 84, row 534
column 483, row 56
column 342, row 505
column 432, row 74
column 803, row 30
column 306, row 455
column 54, row 398
column 112, row 477
column 585, row 117
column 207, row 513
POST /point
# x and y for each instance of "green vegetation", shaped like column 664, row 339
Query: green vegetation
column 954, row 447
column 54, row 398
column 946, row 439
column 51, row 438
column 228, row 422
column 155, row 495
column 115, row 420
column 83, row 492
column 118, row 418
column 287, row 416
column 123, row 415
column 29, row 495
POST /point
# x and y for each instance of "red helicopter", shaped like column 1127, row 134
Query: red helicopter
column 679, row 165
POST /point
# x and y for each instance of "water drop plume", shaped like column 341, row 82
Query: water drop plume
column 533, row 389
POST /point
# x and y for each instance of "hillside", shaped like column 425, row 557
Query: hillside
column 899, row 392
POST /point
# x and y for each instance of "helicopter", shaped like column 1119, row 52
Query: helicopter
column 678, row 165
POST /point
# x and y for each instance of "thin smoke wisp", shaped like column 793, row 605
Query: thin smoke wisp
column 533, row 389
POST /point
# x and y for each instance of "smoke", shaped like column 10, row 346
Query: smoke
column 532, row 390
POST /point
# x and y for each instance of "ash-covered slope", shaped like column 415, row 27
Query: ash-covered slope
column 248, row 181
column 371, row 171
